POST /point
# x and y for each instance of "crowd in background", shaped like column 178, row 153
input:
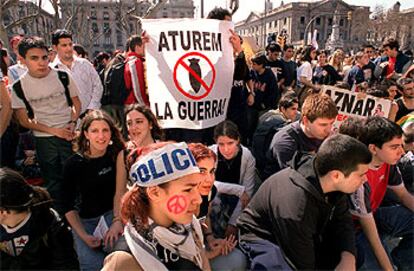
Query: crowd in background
column 271, row 187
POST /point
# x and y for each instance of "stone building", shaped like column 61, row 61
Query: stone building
column 103, row 25
column 41, row 25
column 296, row 18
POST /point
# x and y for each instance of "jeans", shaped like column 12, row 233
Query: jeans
column 52, row 152
column 235, row 260
column 90, row 259
column 392, row 222
column 264, row 255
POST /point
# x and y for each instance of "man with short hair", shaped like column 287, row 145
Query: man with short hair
column 271, row 122
column 393, row 62
column 406, row 102
column 376, row 222
column 134, row 72
column 369, row 69
column 44, row 104
column 84, row 74
column 274, row 63
column 317, row 117
column 356, row 75
column 299, row 218
column 290, row 69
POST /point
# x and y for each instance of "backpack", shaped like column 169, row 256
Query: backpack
column 115, row 91
column 64, row 79
column 263, row 136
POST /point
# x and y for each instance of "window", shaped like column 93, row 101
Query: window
column 119, row 39
column 95, row 27
column 106, row 15
column 341, row 22
column 302, row 35
column 106, row 28
column 318, row 21
column 93, row 14
column 285, row 21
column 107, row 40
column 165, row 15
column 317, row 36
column 330, row 21
column 302, row 20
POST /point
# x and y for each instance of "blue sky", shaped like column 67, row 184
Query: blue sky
column 247, row 6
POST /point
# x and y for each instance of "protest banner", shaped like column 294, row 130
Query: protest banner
column 356, row 104
column 189, row 71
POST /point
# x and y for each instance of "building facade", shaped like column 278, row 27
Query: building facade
column 104, row 25
column 40, row 25
column 295, row 18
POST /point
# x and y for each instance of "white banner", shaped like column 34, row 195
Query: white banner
column 189, row 71
column 356, row 104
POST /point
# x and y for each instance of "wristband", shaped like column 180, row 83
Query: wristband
column 115, row 219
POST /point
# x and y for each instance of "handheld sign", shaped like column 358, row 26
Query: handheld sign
column 356, row 104
column 189, row 71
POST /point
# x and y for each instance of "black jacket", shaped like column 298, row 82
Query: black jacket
column 290, row 210
column 49, row 247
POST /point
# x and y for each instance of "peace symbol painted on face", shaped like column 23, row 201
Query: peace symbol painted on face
column 177, row 204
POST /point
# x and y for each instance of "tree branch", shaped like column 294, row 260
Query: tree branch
column 21, row 21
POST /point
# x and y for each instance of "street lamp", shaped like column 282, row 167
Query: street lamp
column 348, row 14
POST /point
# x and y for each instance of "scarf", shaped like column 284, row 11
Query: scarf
column 185, row 241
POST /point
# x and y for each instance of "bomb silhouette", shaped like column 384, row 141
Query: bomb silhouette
column 195, row 84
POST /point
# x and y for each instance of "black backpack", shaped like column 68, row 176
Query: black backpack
column 64, row 79
column 115, row 91
column 263, row 136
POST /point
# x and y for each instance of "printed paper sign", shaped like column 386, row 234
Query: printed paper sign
column 356, row 104
column 189, row 71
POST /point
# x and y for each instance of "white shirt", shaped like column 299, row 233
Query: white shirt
column 87, row 80
column 305, row 70
column 14, row 72
column 47, row 98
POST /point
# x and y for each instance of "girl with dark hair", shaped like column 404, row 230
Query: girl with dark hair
column 324, row 73
column 304, row 74
column 89, row 189
column 32, row 235
column 236, row 165
column 161, row 231
column 143, row 130
column 221, row 252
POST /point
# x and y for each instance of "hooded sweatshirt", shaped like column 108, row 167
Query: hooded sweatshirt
column 291, row 211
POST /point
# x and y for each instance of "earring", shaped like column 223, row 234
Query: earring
column 111, row 142
column 88, row 143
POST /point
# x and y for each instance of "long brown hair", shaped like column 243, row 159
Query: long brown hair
column 81, row 144
column 156, row 131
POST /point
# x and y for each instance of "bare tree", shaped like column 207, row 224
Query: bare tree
column 386, row 24
column 5, row 7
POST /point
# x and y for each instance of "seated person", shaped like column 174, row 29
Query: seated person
column 377, row 223
column 235, row 165
column 318, row 115
column 299, row 217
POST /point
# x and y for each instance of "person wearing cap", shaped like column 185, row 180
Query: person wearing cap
column 14, row 42
column 161, row 231
column 89, row 182
column 32, row 235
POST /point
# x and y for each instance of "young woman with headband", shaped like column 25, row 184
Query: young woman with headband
column 161, row 231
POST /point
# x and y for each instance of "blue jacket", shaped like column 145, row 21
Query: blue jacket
column 401, row 65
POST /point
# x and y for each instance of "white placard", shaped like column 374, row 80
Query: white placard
column 189, row 71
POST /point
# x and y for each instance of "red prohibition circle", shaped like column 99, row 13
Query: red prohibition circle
column 208, row 88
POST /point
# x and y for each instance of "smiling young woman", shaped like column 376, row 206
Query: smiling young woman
column 89, row 177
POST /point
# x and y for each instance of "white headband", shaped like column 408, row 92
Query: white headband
column 165, row 164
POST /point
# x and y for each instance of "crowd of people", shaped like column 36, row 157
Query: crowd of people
column 89, row 179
